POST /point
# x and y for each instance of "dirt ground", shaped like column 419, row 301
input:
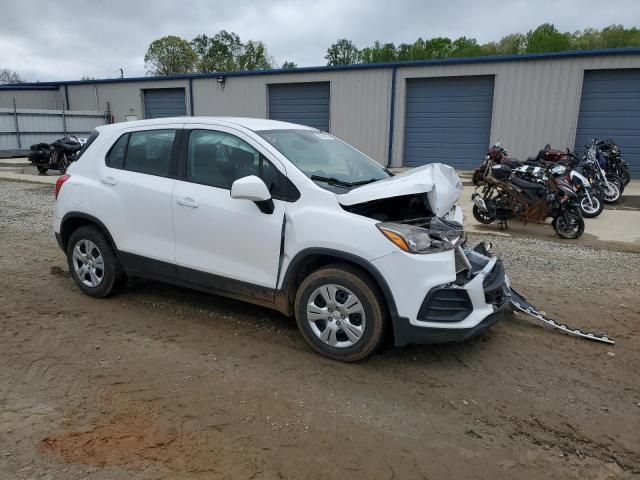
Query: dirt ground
column 161, row 382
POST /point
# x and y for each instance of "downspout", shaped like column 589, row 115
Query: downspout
column 191, row 96
column 392, row 114
column 66, row 96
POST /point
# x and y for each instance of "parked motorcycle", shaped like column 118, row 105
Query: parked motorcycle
column 614, row 162
column 496, row 155
column 609, row 185
column 505, row 196
column 55, row 156
column 589, row 199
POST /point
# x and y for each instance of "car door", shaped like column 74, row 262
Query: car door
column 133, row 197
column 225, row 243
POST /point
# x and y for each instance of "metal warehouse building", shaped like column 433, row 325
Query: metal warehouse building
column 405, row 113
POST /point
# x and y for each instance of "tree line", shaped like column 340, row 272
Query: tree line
column 545, row 38
column 226, row 52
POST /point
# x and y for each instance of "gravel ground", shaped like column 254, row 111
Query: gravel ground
column 162, row 382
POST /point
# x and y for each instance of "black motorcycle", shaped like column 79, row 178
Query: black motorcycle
column 609, row 185
column 505, row 197
column 613, row 161
column 55, row 156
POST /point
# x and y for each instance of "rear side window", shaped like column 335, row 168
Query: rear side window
column 88, row 143
column 143, row 152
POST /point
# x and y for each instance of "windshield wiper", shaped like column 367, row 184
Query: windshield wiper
column 364, row 182
column 332, row 181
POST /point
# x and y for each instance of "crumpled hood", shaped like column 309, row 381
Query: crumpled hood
column 439, row 181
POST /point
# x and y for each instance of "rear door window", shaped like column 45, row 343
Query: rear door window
column 149, row 152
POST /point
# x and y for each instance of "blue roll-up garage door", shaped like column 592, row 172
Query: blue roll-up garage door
column 304, row 103
column 448, row 120
column 164, row 102
column 610, row 108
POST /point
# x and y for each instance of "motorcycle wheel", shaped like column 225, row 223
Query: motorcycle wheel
column 617, row 180
column 625, row 176
column 483, row 217
column 569, row 224
column 611, row 193
column 477, row 177
column 591, row 209
column 42, row 170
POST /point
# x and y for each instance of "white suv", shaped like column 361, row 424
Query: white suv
column 284, row 216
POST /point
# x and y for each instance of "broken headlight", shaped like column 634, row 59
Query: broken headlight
column 414, row 239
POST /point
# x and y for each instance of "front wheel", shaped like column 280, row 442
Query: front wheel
column 339, row 313
column 483, row 217
column 569, row 224
column 591, row 206
column 477, row 177
column 611, row 192
column 42, row 170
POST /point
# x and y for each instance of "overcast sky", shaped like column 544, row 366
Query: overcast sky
column 58, row 40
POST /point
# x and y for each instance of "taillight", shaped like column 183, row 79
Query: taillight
column 59, row 182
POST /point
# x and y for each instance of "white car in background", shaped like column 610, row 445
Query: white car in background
column 284, row 216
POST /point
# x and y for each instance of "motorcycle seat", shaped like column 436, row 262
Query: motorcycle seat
column 536, row 187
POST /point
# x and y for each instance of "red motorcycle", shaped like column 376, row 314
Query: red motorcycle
column 495, row 156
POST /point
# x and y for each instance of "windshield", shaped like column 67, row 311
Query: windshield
column 326, row 159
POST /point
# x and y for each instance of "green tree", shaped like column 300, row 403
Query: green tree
column 287, row 65
column 616, row 36
column 343, row 52
column 254, row 56
column 378, row 53
column 170, row 55
column 465, row 47
column 219, row 53
column 546, row 38
column 512, row 44
column 9, row 76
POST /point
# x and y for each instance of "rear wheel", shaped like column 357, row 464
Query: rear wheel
column 483, row 217
column 93, row 263
column 339, row 313
column 569, row 224
column 42, row 170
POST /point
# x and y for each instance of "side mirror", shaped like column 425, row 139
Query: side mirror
column 254, row 189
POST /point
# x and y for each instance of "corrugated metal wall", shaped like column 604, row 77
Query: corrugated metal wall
column 535, row 101
column 43, row 99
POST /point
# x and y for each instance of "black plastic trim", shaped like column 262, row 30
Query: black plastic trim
column 406, row 333
column 445, row 304
column 302, row 255
column 84, row 216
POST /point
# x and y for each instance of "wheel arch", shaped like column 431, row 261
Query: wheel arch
column 309, row 260
column 74, row 220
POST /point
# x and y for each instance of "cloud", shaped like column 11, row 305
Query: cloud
column 43, row 40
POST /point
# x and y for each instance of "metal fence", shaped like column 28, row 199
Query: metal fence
column 20, row 128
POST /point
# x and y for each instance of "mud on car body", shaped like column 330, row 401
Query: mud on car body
column 284, row 216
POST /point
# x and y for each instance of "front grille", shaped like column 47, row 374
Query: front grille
column 445, row 304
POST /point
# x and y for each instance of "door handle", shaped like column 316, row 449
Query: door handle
column 187, row 202
column 108, row 180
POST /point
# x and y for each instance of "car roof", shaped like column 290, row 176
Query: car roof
column 254, row 124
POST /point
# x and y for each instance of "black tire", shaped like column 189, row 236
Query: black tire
column 366, row 292
column 625, row 176
column 574, row 229
column 477, row 178
column 483, row 217
column 42, row 170
column 111, row 276
column 591, row 211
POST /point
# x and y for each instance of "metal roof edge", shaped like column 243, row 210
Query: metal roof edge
column 332, row 68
